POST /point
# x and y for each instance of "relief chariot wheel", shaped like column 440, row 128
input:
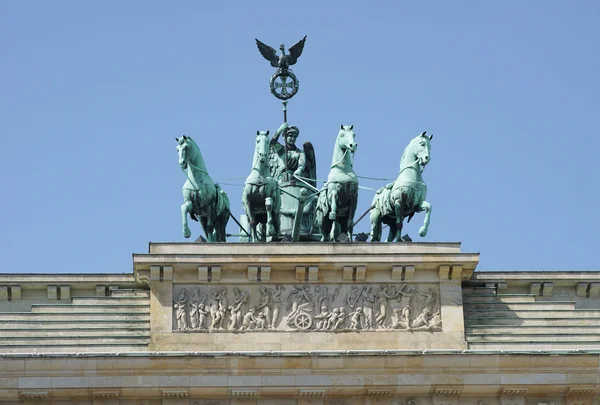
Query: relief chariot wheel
column 303, row 321
column 284, row 85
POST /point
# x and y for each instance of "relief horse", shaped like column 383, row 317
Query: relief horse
column 337, row 201
column 202, row 198
column 406, row 195
column 261, row 196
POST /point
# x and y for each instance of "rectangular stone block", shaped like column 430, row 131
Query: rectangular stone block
column 502, row 285
column 396, row 272
column 512, row 400
column 265, row 273
column 409, row 272
column 154, row 273
column 361, row 273
column 168, row 273
column 313, row 273
column 202, row 273
column 65, row 292
column 215, row 273
column 456, row 272
column 445, row 400
column 252, row 273
column 444, row 273
column 582, row 289
column 594, row 289
column 348, row 272
column 534, row 288
column 3, row 292
column 15, row 292
column 301, row 273
column 547, row 289
column 100, row 291
column 52, row 291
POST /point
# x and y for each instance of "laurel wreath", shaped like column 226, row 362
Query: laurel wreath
column 295, row 81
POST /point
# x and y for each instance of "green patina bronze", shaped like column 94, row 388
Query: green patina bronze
column 281, row 87
column 261, row 196
column 338, row 199
column 280, row 198
column 406, row 195
column 203, row 200
column 296, row 171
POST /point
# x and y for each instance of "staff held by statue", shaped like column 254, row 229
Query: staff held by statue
column 281, row 88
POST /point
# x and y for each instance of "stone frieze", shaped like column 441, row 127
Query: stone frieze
column 306, row 307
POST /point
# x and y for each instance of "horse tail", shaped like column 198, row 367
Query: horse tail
column 222, row 208
column 322, row 207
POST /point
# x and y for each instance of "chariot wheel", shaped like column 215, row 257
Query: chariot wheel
column 303, row 321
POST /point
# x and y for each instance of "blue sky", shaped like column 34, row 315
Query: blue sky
column 92, row 95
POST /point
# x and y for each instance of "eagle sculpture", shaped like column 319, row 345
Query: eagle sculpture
column 283, row 62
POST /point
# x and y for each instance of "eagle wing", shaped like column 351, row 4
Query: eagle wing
column 268, row 53
column 296, row 50
column 310, row 166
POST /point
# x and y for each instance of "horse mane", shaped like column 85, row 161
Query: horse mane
column 200, row 163
column 406, row 150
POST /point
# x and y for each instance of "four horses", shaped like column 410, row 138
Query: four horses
column 337, row 202
column 406, row 195
column 201, row 197
column 261, row 196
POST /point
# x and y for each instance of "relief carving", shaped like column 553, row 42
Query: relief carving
column 306, row 307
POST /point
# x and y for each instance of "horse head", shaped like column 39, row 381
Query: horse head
column 345, row 138
column 184, row 150
column 419, row 149
column 261, row 150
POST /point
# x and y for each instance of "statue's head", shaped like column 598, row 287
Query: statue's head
column 346, row 138
column 291, row 134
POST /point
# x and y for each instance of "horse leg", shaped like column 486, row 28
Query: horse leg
column 186, row 208
column 270, row 231
column 392, row 234
column 425, row 206
column 375, row 225
column 209, row 229
column 333, row 197
column 399, row 218
column 351, row 212
column 335, row 231
column 326, row 229
column 248, row 211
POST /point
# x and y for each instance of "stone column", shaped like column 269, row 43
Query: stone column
column 161, row 299
column 451, row 304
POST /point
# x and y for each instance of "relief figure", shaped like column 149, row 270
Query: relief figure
column 180, row 312
column 277, row 302
column 264, row 305
column 356, row 319
column 322, row 318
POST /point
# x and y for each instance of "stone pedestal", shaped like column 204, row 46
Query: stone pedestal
column 309, row 296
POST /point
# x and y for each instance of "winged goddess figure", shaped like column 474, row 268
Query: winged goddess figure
column 283, row 61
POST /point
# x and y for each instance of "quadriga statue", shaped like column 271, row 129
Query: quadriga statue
column 202, row 199
column 338, row 199
column 406, row 196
